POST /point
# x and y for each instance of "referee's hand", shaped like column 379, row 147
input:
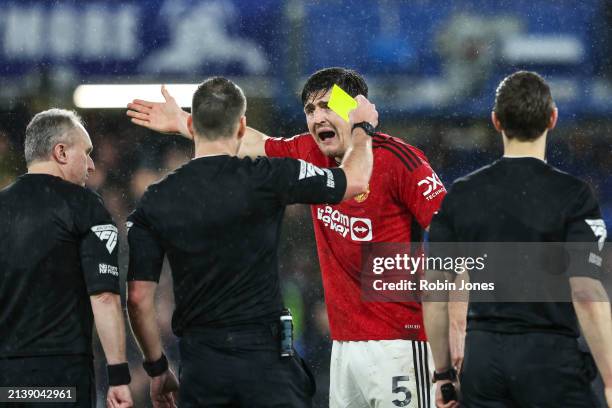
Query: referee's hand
column 440, row 400
column 163, row 390
column 119, row 396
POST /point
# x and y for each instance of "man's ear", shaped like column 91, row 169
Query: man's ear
column 59, row 153
column 242, row 127
column 190, row 127
column 553, row 119
column 496, row 123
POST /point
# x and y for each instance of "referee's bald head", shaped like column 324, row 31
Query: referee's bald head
column 217, row 106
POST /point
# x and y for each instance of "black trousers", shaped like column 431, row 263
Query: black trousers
column 241, row 368
column 51, row 371
column 526, row 370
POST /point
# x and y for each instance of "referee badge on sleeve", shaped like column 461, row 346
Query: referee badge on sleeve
column 108, row 233
column 599, row 229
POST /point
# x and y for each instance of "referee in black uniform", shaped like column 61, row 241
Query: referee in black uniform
column 58, row 270
column 526, row 354
column 218, row 220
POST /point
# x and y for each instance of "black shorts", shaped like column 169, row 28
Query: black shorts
column 51, row 371
column 526, row 370
column 241, row 368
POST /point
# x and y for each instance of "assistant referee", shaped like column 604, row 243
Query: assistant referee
column 218, row 219
column 525, row 354
column 58, row 270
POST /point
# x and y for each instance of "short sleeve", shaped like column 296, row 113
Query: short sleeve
column 146, row 253
column 441, row 228
column 99, row 247
column 420, row 188
column 296, row 147
column 297, row 181
column 585, row 234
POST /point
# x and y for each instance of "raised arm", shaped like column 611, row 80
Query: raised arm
column 358, row 159
column 168, row 117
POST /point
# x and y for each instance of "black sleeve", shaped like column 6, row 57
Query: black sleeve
column 146, row 253
column 441, row 227
column 585, row 234
column 99, row 244
column 442, row 236
column 297, row 181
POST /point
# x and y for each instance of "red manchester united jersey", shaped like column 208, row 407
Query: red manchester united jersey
column 403, row 194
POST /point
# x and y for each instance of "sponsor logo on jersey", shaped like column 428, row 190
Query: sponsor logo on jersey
column 599, row 229
column 360, row 198
column 108, row 233
column 310, row 170
column 108, row 269
column 360, row 229
column 433, row 186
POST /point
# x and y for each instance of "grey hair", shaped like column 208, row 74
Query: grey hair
column 47, row 129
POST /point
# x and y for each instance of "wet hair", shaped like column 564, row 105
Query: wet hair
column 523, row 105
column 216, row 108
column 323, row 80
column 46, row 130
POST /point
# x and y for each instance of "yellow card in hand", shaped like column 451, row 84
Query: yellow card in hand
column 341, row 102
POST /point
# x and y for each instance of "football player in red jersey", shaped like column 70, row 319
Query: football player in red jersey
column 380, row 356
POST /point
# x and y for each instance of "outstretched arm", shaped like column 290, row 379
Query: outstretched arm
column 168, row 117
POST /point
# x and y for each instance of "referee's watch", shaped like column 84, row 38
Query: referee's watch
column 450, row 374
column 366, row 126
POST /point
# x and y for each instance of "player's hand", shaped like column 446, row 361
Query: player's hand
column 119, row 396
column 164, row 390
column 364, row 112
column 440, row 401
column 165, row 117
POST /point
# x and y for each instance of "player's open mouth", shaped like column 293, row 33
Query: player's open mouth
column 326, row 135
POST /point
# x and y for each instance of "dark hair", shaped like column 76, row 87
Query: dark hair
column 523, row 105
column 217, row 105
column 323, row 80
column 47, row 129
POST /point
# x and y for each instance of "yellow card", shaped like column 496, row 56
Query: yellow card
column 341, row 102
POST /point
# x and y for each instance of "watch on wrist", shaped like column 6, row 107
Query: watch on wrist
column 366, row 126
column 450, row 374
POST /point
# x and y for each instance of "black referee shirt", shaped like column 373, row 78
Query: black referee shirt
column 218, row 220
column 522, row 200
column 58, row 245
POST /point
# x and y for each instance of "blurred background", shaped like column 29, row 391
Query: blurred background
column 432, row 68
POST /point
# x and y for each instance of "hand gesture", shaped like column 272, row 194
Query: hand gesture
column 164, row 117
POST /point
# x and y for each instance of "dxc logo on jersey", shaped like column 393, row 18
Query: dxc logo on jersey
column 360, row 228
column 434, row 186
column 108, row 233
